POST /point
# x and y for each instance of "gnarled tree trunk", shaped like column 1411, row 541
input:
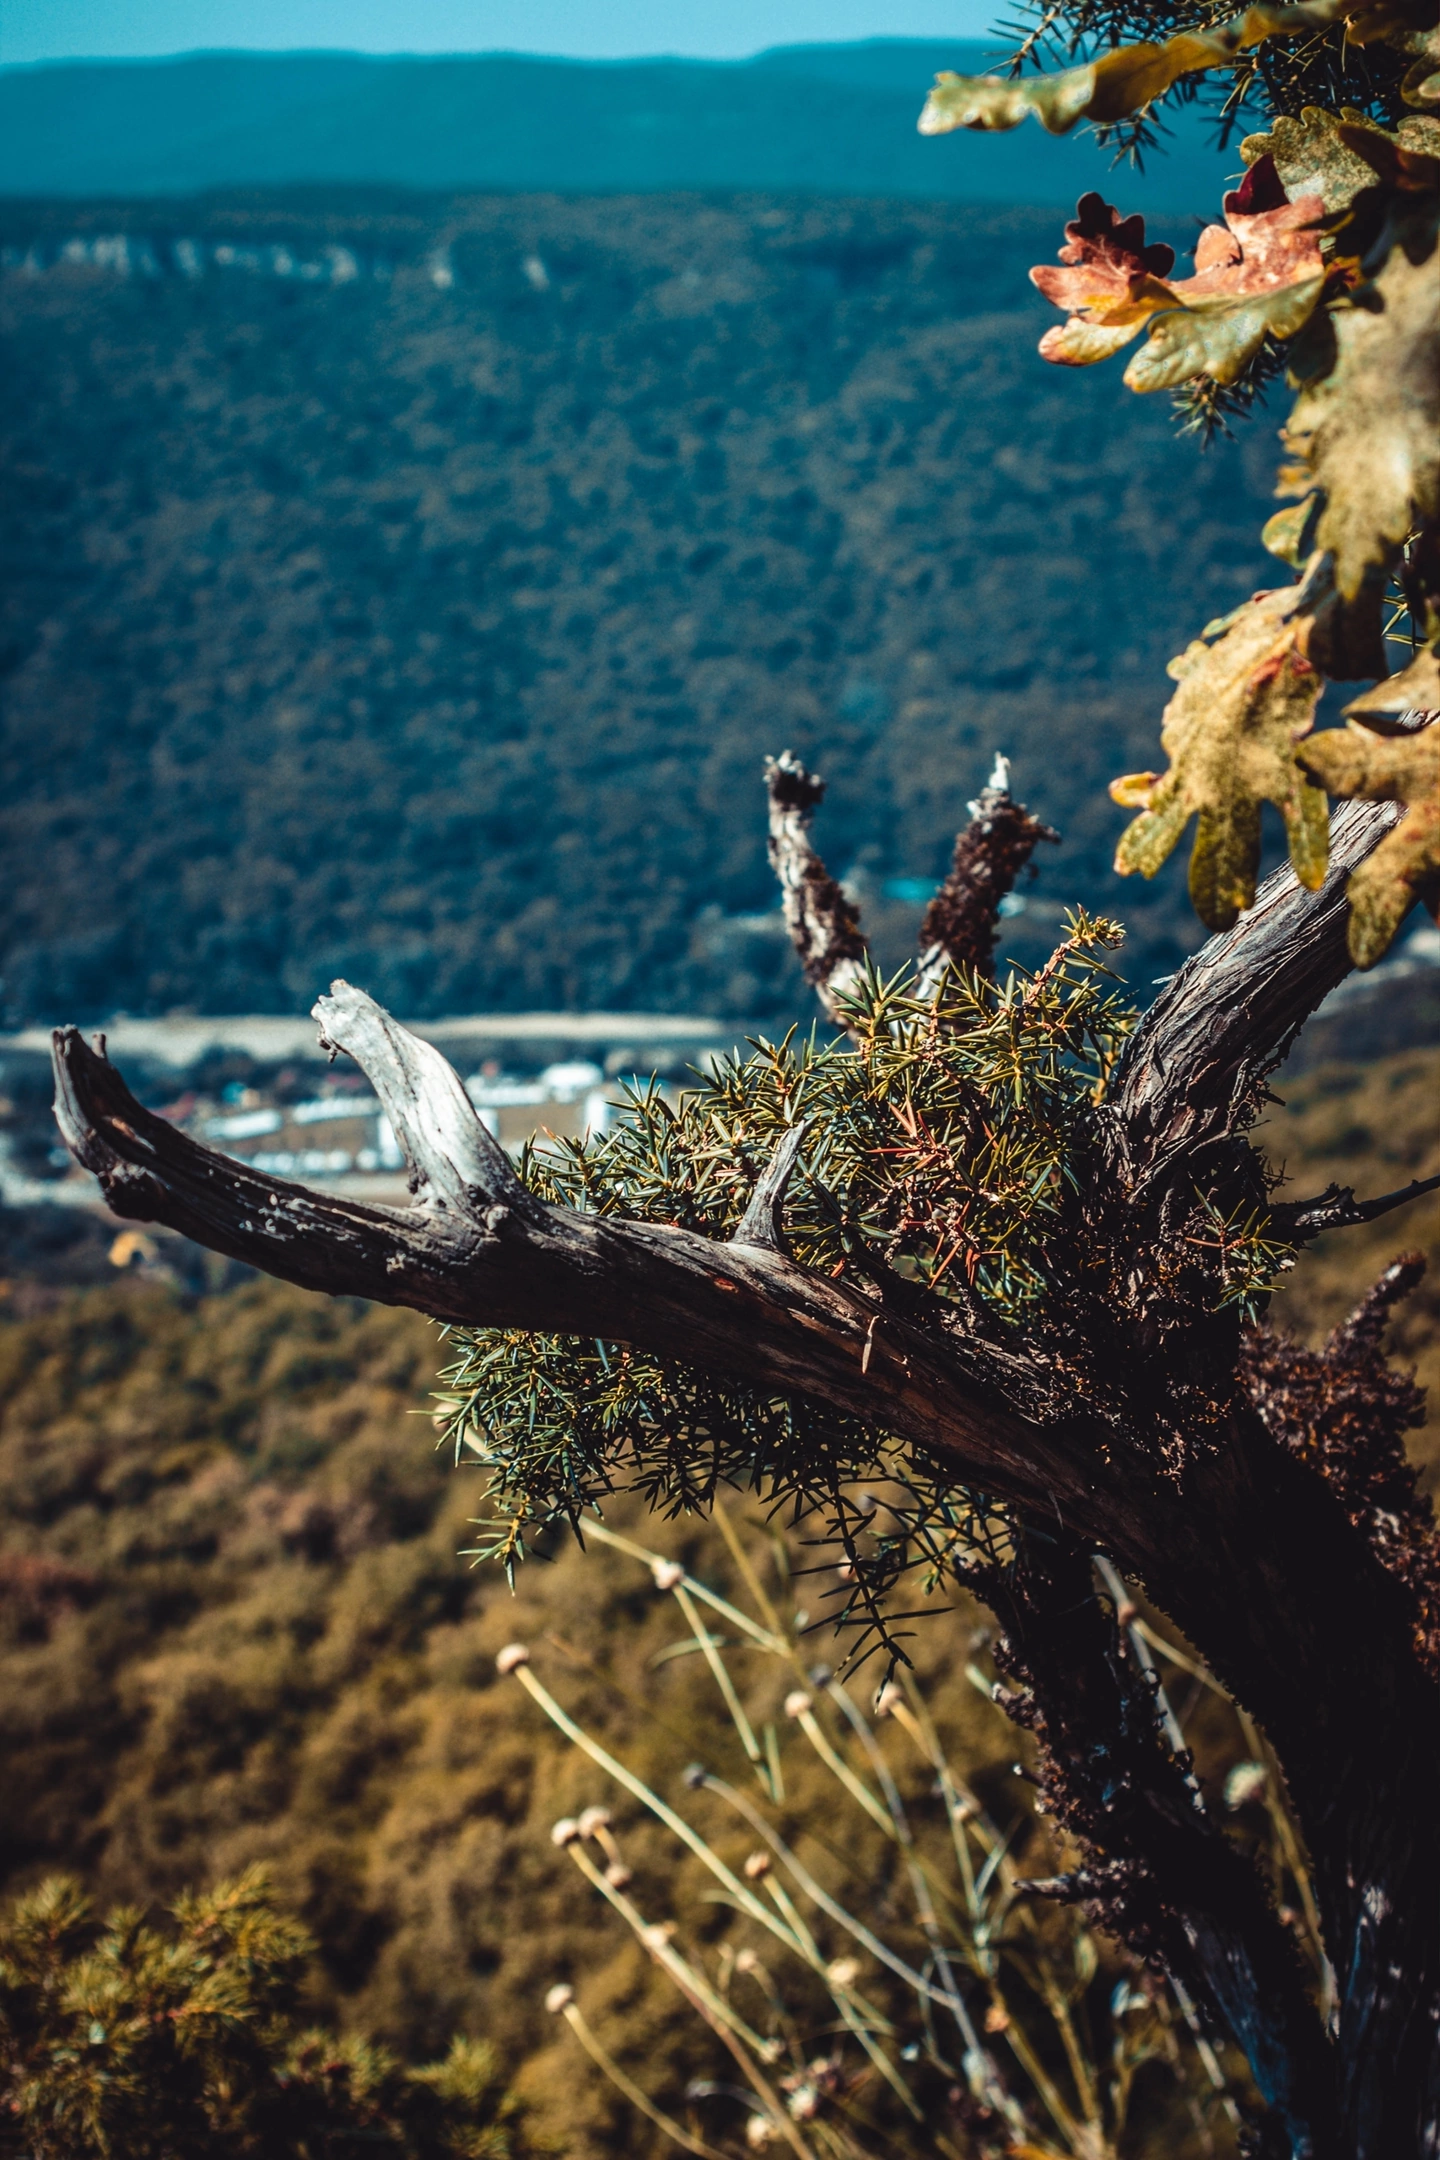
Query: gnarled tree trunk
column 1202, row 1469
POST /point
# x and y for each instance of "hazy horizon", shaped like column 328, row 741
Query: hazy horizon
column 486, row 52
column 37, row 32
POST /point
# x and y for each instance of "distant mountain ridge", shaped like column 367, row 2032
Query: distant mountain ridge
column 828, row 119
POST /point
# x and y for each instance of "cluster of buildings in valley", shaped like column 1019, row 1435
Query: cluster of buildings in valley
column 132, row 255
column 258, row 1089
column 341, row 1132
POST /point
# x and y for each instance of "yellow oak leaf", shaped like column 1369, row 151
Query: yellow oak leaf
column 1336, row 155
column 1218, row 334
column 1080, row 342
column 1415, row 689
column 1354, row 760
column 1367, row 430
column 1133, row 76
column 1288, row 532
column 1247, row 694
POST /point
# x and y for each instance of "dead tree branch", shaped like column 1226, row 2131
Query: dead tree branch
column 478, row 1249
column 761, row 1223
column 1190, row 1079
column 824, row 925
column 1122, row 1422
column 960, row 926
column 1337, row 1209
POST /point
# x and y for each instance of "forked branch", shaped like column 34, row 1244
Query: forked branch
column 478, row 1249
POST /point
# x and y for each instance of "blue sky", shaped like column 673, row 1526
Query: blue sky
column 590, row 29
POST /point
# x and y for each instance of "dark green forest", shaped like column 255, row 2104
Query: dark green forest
column 838, row 118
column 433, row 633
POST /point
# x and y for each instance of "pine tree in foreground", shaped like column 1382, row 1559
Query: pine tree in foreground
column 1008, row 1242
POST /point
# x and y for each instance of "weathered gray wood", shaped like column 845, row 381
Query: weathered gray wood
column 823, row 924
column 761, row 1223
column 1189, row 1076
column 456, row 1165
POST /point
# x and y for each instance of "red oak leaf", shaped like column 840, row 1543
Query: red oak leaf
column 1116, row 286
column 1261, row 189
column 1109, row 251
column 1266, row 240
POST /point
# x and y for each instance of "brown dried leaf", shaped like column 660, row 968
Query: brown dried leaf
column 991, row 102
column 1259, row 272
column 1336, row 155
column 1103, row 254
column 1416, row 689
column 1244, row 701
column 1354, row 760
column 1368, row 430
column 1132, row 76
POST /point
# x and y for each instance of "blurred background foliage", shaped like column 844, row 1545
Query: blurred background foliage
column 236, row 1630
column 120, row 2037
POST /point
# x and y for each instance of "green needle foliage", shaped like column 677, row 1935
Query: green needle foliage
column 937, row 1152
column 144, row 2043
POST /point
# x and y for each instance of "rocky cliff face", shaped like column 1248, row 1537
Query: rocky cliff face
column 428, row 624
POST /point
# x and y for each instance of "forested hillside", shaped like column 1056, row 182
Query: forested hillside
column 428, row 624
column 235, row 1625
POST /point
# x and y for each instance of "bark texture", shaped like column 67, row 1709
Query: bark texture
column 960, row 925
column 823, row 922
column 1254, row 1494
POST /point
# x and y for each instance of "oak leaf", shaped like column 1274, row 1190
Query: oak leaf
column 1290, row 532
column 1354, row 760
column 1102, row 255
column 1105, row 260
column 1260, row 272
column 1133, row 76
column 1416, row 689
column 1219, row 333
column 1367, row 430
column 1337, row 155
column 1247, row 694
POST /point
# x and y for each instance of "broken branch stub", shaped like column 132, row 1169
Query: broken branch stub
column 455, row 1163
column 761, row 1223
column 960, row 926
column 824, row 925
